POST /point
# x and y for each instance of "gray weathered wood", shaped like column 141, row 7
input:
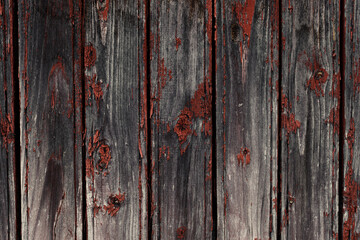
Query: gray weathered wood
column 7, row 124
column 310, row 103
column 351, row 190
column 115, row 131
column 246, row 111
column 181, row 119
column 49, row 88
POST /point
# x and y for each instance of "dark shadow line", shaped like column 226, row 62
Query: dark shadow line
column 83, row 118
column 213, row 120
column 16, row 106
column 342, row 118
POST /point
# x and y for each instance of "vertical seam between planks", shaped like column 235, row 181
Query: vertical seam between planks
column 14, row 37
column 83, row 122
column 147, row 123
column 279, row 160
column 213, row 136
column 342, row 118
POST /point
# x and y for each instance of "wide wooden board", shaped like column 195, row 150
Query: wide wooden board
column 310, row 107
column 246, row 118
column 116, row 197
column 181, row 119
column 51, row 166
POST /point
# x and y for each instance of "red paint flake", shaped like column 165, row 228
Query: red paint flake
column 351, row 191
column 289, row 123
column 96, row 90
column 114, row 203
column 182, row 127
column 178, row 43
column 244, row 156
column 96, row 207
column 162, row 152
column 90, row 56
column 201, row 101
column 89, row 168
column 356, row 78
column 208, row 169
column 244, row 13
column 98, row 93
column 98, row 146
column 103, row 10
column 180, row 232
column 315, row 82
column 7, row 129
column 105, row 157
column 319, row 76
column 288, row 120
column 334, row 117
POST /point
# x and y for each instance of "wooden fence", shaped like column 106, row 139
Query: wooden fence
column 180, row 119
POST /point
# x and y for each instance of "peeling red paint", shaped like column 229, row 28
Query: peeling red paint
column 90, row 56
column 178, row 43
column 319, row 76
column 180, row 232
column 351, row 191
column 114, row 203
column 244, row 156
column 103, row 9
column 334, row 117
column 183, row 125
column 245, row 13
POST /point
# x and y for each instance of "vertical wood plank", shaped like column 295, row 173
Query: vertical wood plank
column 7, row 123
column 181, row 123
column 49, row 90
column 351, row 180
column 247, row 72
column 115, row 131
column 310, row 105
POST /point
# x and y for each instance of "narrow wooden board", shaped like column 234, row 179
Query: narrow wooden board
column 7, row 124
column 50, row 166
column 310, row 92
column 246, row 111
column 351, row 180
column 181, row 122
column 115, row 131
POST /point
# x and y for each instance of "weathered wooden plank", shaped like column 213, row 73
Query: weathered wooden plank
column 115, row 115
column 310, row 92
column 49, row 88
column 351, row 180
column 7, row 123
column 181, row 123
column 246, row 111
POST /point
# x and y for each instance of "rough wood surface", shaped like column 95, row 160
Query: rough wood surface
column 115, row 135
column 181, row 126
column 50, row 165
column 351, row 190
column 7, row 124
column 246, row 111
column 310, row 91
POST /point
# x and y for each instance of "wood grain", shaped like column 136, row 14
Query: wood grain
column 310, row 103
column 246, row 111
column 351, row 190
column 7, row 124
column 181, row 122
column 49, row 88
column 115, row 131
